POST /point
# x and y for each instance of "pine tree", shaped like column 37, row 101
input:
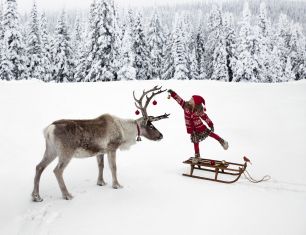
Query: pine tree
column 263, row 45
column 1, row 30
column 156, row 42
column 46, row 57
column 141, row 51
column 289, row 75
column 220, row 70
column 62, row 53
column 214, row 26
column 116, row 43
column 281, row 43
column 97, row 63
column 194, row 72
column 223, row 52
column 77, row 37
column 297, row 53
column 245, row 67
column 34, row 50
column 230, row 43
column 198, row 60
column 131, row 21
column 1, row 22
column 180, row 55
column 168, row 67
column 127, row 71
column 13, row 61
column 276, row 73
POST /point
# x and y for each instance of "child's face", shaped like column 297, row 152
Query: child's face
column 191, row 102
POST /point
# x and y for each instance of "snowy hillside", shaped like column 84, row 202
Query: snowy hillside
column 265, row 122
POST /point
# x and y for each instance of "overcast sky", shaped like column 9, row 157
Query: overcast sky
column 53, row 5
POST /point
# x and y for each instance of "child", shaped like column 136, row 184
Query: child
column 194, row 111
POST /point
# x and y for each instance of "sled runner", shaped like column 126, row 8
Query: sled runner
column 218, row 167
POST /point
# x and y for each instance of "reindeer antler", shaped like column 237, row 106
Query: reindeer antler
column 154, row 119
column 138, row 102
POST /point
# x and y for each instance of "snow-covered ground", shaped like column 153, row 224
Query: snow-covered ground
column 265, row 122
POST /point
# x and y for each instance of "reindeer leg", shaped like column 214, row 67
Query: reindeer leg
column 58, row 171
column 49, row 156
column 100, row 160
column 112, row 164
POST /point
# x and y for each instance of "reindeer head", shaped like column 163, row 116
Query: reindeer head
column 147, row 129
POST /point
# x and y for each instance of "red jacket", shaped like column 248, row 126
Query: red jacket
column 193, row 120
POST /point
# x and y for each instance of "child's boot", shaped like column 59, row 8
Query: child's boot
column 224, row 143
column 196, row 158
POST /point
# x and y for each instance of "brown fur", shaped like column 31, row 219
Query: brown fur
column 75, row 134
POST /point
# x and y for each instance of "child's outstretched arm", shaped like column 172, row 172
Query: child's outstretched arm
column 176, row 97
column 205, row 117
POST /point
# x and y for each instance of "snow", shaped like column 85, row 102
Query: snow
column 265, row 122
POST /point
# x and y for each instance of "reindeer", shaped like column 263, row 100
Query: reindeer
column 67, row 139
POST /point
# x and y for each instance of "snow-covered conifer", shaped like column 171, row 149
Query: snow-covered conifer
column 197, row 56
column 141, row 51
column 297, row 53
column 156, row 43
column 263, row 45
column 97, row 63
column 34, row 49
column 289, row 75
column 168, row 68
column 1, row 22
column 62, row 52
column 215, row 28
column 13, row 61
column 230, row 42
column 245, row 67
column 127, row 71
column 180, row 51
column 46, row 56
column 219, row 61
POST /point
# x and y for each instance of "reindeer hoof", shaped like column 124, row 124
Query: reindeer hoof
column 101, row 183
column 67, row 196
column 117, row 186
column 36, row 198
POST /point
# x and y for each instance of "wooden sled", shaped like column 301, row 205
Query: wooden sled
column 218, row 167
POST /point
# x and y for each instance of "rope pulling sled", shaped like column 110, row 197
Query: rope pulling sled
column 222, row 167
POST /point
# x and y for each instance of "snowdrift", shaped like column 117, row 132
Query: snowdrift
column 265, row 122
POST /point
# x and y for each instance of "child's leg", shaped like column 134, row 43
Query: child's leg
column 196, row 149
column 215, row 136
column 220, row 140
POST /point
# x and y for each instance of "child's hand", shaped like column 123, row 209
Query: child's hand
column 170, row 91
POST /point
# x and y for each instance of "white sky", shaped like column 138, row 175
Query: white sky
column 54, row 5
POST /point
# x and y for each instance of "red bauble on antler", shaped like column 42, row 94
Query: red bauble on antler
column 154, row 102
column 137, row 112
